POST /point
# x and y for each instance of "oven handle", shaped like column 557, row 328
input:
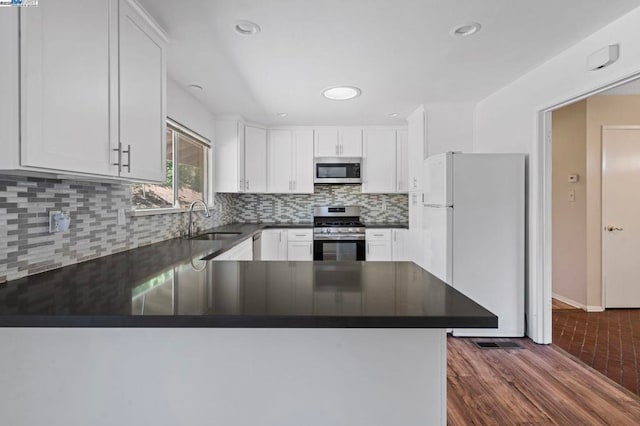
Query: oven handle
column 339, row 237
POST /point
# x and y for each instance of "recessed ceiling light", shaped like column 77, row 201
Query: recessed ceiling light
column 247, row 28
column 282, row 114
column 394, row 115
column 466, row 30
column 195, row 87
column 341, row 93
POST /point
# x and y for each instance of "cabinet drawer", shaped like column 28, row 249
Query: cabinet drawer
column 300, row 234
column 378, row 234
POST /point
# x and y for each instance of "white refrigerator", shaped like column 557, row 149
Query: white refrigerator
column 474, row 232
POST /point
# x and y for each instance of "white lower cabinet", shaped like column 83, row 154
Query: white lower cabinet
column 243, row 251
column 273, row 244
column 399, row 241
column 384, row 245
column 287, row 244
column 378, row 245
column 300, row 250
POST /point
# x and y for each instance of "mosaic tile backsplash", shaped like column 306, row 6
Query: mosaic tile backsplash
column 293, row 208
column 27, row 247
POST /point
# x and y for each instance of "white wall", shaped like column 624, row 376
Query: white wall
column 450, row 127
column 188, row 111
column 507, row 121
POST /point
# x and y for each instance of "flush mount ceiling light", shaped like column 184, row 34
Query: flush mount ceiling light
column 247, row 28
column 282, row 114
column 194, row 87
column 394, row 115
column 466, row 30
column 341, row 93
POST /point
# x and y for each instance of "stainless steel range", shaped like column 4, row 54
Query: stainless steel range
column 338, row 233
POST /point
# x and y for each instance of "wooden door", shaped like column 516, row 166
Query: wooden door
column 621, row 215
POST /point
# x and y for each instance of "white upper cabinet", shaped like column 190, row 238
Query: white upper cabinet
column 417, row 147
column 350, row 143
column 142, row 91
column 255, row 159
column 379, row 161
column 85, row 87
column 65, row 68
column 290, row 161
column 402, row 161
column 302, row 161
column 229, row 156
column 338, row 142
column 279, row 155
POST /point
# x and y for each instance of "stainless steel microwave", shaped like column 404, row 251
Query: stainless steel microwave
column 337, row 170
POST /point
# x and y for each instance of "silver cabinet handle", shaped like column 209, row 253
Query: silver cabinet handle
column 280, row 236
column 341, row 148
column 119, row 161
column 295, row 185
column 337, row 149
column 378, row 235
column 301, row 235
column 367, row 248
column 395, row 236
column 241, row 185
column 128, row 152
column 247, row 184
column 311, row 249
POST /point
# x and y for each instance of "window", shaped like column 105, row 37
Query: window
column 187, row 172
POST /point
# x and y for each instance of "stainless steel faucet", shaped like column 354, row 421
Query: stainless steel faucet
column 206, row 214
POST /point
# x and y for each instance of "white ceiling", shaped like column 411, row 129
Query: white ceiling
column 399, row 52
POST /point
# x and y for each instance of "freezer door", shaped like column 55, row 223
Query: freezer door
column 437, row 237
column 437, row 180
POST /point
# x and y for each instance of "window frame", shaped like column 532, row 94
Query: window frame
column 207, row 163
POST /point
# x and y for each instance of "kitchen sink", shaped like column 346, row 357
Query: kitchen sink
column 214, row 236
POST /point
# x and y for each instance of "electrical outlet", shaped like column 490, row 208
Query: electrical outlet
column 121, row 217
column 572, row 195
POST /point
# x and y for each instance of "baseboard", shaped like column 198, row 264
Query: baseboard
column 595, row 308
column 570, row 302
column 472, row 332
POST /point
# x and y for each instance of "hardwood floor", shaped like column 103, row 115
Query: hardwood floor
column 558, row 305
column 539, row 384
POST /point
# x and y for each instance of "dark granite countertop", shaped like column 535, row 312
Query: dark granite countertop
column 168, row 285
column 383, row 225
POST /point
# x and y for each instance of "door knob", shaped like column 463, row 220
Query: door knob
column 612, row 228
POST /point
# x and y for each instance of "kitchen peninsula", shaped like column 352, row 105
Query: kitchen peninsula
column 157, row 335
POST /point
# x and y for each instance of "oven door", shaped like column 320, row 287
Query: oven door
column 338, row 250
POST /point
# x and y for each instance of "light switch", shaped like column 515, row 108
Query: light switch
column 572, row 195
column 572, row 178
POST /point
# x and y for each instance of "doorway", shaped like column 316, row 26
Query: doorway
column 594, row 158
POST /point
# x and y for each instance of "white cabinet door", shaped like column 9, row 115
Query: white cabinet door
column 326, row 143
column 302, row 167
column 415, row 239
column 255, row 159
column 142, row 65
column 279, row 161
column 274, row 244
column 243, row 251
column 379, row 161
column 378, row 251
column 350, row 143
column 66, row 58
column 300, row 250
column 399, row 245
column 417, row 147
column 402, row 161
column 229, row 156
